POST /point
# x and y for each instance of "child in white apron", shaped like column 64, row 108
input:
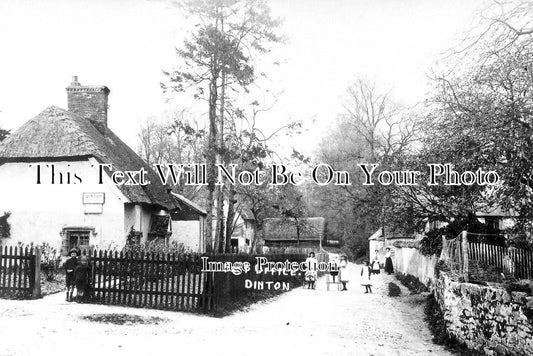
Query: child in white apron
column 365, row 278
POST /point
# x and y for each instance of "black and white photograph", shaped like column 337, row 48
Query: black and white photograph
column 266, row 177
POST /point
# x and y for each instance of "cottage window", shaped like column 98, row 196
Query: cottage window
column 79, row 238
column 160, row 229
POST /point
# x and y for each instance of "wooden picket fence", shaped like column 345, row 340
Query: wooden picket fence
column 19, row 272
column 164, row 281
column 515, row 261
column 150, row 280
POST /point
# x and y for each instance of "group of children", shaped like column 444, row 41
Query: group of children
column 367, row 270
column 311, row 273
column 77, row 275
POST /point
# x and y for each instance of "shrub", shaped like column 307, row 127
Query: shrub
column 523, row 286
column 441, row 266
column 156, row 246
column 481, row 272
column 412, row 283
column 50, row 261
column 5, row 227
column 394, row 290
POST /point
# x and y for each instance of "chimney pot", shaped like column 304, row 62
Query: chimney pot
column 75, row 82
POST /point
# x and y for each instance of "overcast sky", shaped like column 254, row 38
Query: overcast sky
column 125, row 44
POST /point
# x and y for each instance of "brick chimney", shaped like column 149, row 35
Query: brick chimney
column 90, row 102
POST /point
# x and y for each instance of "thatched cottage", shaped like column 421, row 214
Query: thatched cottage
column 287, row 233
column 54, row 188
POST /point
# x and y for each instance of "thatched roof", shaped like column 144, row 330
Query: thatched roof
column 311, row 229
column 57, row 134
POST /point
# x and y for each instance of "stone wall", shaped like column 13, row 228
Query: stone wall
column 486, row 318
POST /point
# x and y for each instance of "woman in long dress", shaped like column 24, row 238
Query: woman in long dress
column 388, row 262
column 311, row 274
column 343, row 272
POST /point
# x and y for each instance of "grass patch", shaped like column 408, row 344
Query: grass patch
column 124, row 319
column 412, row 283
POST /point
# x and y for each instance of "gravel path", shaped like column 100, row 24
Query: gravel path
column 311, row 322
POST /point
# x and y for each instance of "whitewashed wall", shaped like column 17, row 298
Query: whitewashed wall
column 39, row 212
column 188, row 233
column 411, row 261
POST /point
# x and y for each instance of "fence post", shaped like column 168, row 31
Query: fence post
column 36, row 292
column 464, row 247
column 444, row 251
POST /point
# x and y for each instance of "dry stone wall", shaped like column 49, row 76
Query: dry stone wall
column 486, row 318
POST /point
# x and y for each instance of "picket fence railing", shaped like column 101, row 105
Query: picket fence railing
column 170, row 281
column 19, row 272
column 458, row 253
column 514, row 261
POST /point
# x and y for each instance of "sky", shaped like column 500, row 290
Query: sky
column 125, row 45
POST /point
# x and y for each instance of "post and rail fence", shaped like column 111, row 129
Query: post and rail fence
column 458, row 253
column 19, row 272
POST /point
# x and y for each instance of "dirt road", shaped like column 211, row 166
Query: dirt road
column 302, row 321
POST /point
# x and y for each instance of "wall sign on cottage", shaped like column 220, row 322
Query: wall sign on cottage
column 93, row 202
column 93, row 198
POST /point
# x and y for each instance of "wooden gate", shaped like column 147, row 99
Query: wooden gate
column 19, row 272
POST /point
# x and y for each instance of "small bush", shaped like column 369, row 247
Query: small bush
column 412, row 283
column 441, row 266
column 50, row 262
column 394, row 290
column 523, row 286
column 480, row 272
column 156, row 246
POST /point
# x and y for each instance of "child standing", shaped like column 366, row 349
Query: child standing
column 70, row 266
column 365, row 278
column 82, row 273
column 311, row 274
column 376, row 269
column 343, row 272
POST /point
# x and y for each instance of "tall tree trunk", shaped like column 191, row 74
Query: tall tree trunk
column 219, row 233
column 298, row 232
column 211, row 160
column 230, row 217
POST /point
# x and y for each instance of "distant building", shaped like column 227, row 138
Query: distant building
column 497, row 218
column 282, row 233
column 243, row 231
column 66, row 205
column 188, row 223
column 379, row 241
